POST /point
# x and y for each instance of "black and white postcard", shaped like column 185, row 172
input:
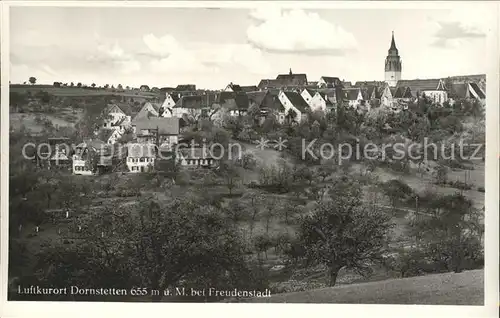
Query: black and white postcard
column 340, row 153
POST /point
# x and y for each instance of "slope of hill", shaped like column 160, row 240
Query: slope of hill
column 465, row 288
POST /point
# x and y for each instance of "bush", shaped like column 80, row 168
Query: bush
column 481, row 189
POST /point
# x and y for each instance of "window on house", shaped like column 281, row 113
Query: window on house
column 141, row 160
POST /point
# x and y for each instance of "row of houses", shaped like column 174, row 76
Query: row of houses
column 158, row 127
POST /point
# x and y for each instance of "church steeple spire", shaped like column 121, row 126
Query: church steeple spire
column 393, row 43
column 393, row 64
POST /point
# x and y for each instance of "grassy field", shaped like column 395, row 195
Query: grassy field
column 465, row 288
column 63, row 118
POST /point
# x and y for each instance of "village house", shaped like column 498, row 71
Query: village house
column 148, row 110
column 163, row 131
column 57, row 154
column 346, row 84
column 402, row 96
column 386, row 100
column 116, row 118
column 373, row 94
column 267, row 102
column 354, row 97
column 329, row 82
column 307, row 94
column 467, row 90
column 238, row 88
column 196, row 157
column 295, row 108
column 140, row 157
column 186, row 88
column 434, row 89
column 292, row 80
column 324, row 100
column 479, row 79
column 168, row 104
column 108, row 135
column 194, row 107
column 284, row 81
column 269, row 84
column 233, row 103
column 92, row 157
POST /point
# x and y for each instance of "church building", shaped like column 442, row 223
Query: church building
column 393, row 65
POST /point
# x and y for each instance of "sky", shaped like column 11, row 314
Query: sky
column 165, row 47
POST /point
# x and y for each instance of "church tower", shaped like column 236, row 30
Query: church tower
column 393, row 65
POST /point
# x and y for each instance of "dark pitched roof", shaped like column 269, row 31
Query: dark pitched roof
column 419, row 85
column 233, row 100
column 297, row 101
column 196, row 101
column 351, row 93
column 373, row 91
column 402, row 92
column 145, row 113
column 458, row 90
column 333, row 81
column 251, row 88
column 269, row 83
column 292, row 79
column 257, row 97
column 127, row 110
column 265, row 99
column 477, row 90
column 368, row 83
column 241, row 100
column 175, row 97
column 235, row 87
column 186, row 87
column 346, row 84
column 165, row 125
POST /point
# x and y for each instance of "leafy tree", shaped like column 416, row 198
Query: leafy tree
column 93, row 85
column 262, row 243
column 451, row 234
column 253, row 203
column 341, row 232
column 326, row 170
column 231, row 175
column 32, row 80
column 16, row 99
column 156, row 246
column 397, row 191
column 44, row 96
column 441, row 174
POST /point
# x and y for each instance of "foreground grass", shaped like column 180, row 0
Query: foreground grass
column 465, row 288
